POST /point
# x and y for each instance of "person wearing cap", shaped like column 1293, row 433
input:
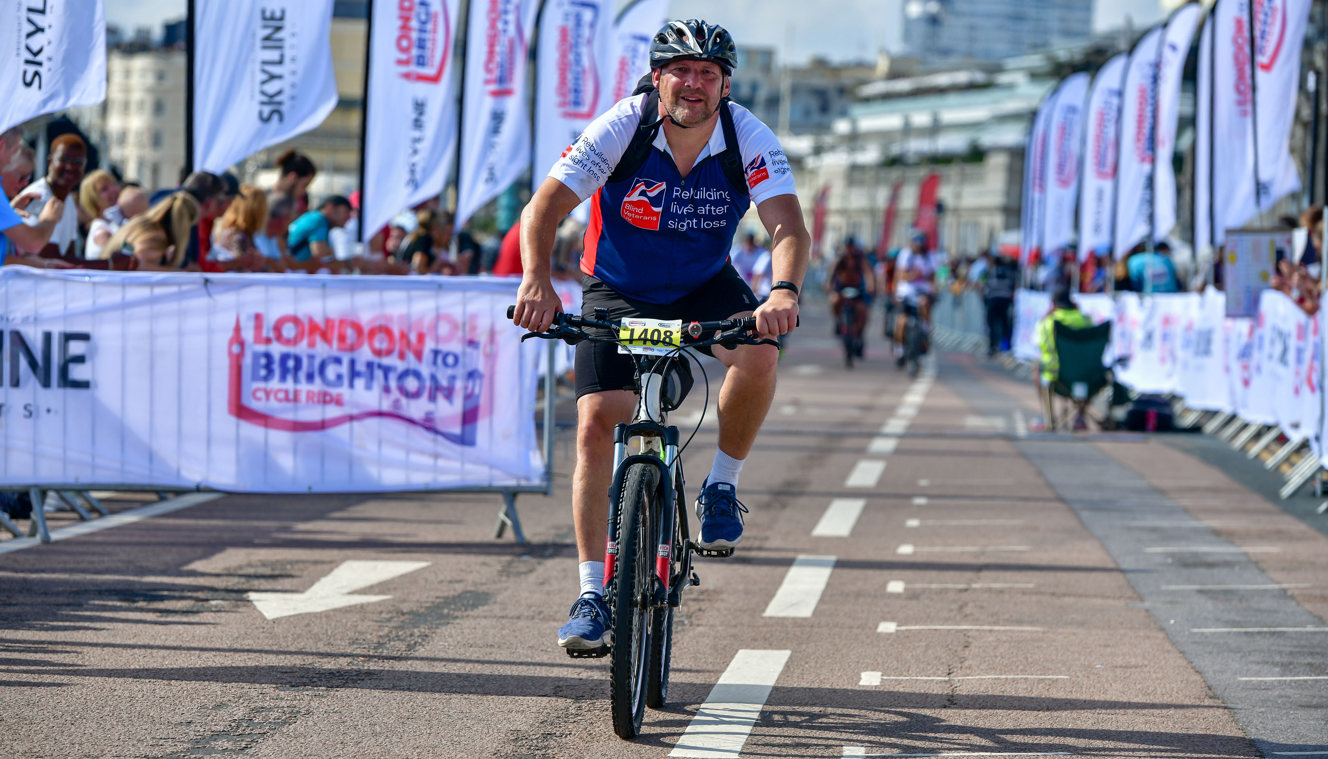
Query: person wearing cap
column 1064, row 311
column 658, row 247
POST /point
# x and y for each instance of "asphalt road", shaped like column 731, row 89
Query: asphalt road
column 919, row 577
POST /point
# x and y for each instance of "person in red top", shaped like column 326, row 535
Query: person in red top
column 509, row 253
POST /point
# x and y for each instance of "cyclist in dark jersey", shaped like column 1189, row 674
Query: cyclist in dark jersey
column 851, row 271
column 657, row 247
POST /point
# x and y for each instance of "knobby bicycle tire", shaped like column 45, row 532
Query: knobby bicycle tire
column 661, row 621
column 630, row 656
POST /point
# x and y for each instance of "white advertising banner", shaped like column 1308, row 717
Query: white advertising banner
column 53, row 55
column 1065, row 139
column 263, row 383
column 632, row 32
column 1249, row 263
column 1309, row 367
column 1281, row 322
column 1029, row 308
column 1204, row 235
column 1149, row 332
column 410, row 109
column 1170, row 70
column 1203, row 366
column 495, row 133
column 1097, row 196
column 1263, row 369
column 263, row 74
column 572, row 78
column 1279, row 35
column 1134, row 188
column 1240, row 361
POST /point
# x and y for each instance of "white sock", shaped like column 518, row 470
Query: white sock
column 725, row 469
column 592, row 577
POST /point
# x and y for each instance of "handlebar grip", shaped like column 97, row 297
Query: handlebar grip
column 511, row 312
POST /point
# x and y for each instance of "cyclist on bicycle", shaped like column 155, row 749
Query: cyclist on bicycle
column 851, row 271
column 657, row 247
column 915, row 287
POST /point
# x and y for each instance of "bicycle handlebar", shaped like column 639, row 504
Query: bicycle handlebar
column 726, row 332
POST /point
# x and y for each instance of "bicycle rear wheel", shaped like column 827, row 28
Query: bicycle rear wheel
column 632, row 574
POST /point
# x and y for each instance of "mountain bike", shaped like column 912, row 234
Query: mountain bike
column 648, row 555
column 915, row 339
column 846, row 324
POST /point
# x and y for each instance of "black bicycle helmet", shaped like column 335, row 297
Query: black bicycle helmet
column 696, row 40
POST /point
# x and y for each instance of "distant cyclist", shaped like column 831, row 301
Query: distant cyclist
column 915, row 287
column 851, row 284
column 663, row 221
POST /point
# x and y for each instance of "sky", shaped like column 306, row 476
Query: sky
column 841, row 30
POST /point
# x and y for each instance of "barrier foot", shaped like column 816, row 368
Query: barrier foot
column 1264, row 442
column 37, row 527
column 508, row 517
column 1227, row 433
column 1215, row 423
column 1283, row 454
column 8, row 524
column 1188, row 419
column 1246, row 436
column 72, row 502
column 1300, row 475
column 92, row 501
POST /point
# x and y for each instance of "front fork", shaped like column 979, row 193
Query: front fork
column 642, row 442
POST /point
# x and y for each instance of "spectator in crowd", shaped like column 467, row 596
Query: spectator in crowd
column 159, row 238
column 233, row 236
column 16, row 237
column 98, row 193
column 762, row 272
column 200, row 240
column 132, row 201
column 425, row 249
column 509, row 253
column 393, row 240
column 307, row 238
column 16, row 173
column 345, row 240
column 997, row 287
column 569, row 243
column 272, row 239
column 1151, row 271
column 467, row 253
column 1312, row 256
column 65, row 166
column 1065, row 311
column 295, row 172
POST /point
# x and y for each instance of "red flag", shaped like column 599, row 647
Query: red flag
column 888, row 222
column 818, row 220
column 926, row 218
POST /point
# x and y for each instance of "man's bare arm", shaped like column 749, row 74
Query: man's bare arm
column 790, row 246
column 536, row 300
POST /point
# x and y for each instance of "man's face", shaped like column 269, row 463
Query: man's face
column 21, row 176
column 66, row 166
column 691, row 90
column 337, row 216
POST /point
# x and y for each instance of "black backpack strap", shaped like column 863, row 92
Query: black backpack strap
column 638, row 150
column 731, row 159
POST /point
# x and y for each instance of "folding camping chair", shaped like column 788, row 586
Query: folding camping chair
column 1082, row 375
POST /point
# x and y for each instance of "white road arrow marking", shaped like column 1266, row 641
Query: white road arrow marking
column 336, row 590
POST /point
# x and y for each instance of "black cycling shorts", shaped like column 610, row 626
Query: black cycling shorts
column 599, row 366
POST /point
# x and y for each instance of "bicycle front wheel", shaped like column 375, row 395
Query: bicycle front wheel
column 661, row 619
column 631, row 608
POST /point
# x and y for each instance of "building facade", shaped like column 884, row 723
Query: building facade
column 938, row 31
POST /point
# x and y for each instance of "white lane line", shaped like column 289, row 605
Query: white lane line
column 883, row 445
column 114, row 520
column 875, row 678
column 1193, row 522
column 1212, row 549
column 919, row 500
column 895, row 427
column 1020, row 425
column 1258, row 629
column 839, row 518
column 924, row 483
column 806, row 370
column 802, row 587
column 961, row 522
column 912, row 522
column 906, row 411
column 1288, row 586
column 722, row 724
column 894, row 586
column 1282, row 679
column 1300, row 753
column 860, row 752
column 974, row 586
column 894, row 627
column 866, row 473
column 909, row 549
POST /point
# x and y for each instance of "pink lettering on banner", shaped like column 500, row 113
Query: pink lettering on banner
column 1143, row 126
column 1105, row 139
column 428, row 373
column 504, row 44
column 1240, row 57
column 424, row 40
column 578, row 81
column 1067, row 167
column 1270, row 20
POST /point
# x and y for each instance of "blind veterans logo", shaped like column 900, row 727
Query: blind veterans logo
column 504, row 44
column 644, row 204
column 305, row 373
column 578, row 80
column 424, row 38
column 756, row 171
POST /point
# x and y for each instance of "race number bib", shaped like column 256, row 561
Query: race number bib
column 649, row 337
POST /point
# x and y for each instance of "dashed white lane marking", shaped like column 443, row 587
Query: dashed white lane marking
column 875, row 678
column 969, row 586
column 959, row 522
column 906, row 411
column 1282, row 679
column 722, row 724
column 860, row 752
column 866, row 474
column 894, row 627
column 802, row 587
column 1258, row 629
column 115, row 520
column 894, row 427
column 924, row 483
column 1020, row 424
column 806, row 370
column 883, row 445
column 908, row 549
column 839, row 518
column 919, row 500
column 894, row 586
column 1288, row 586
column 1212, row 549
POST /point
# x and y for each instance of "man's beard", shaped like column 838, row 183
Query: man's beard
column 678, row 112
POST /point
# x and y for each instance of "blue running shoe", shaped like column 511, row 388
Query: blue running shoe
column 588, row 626
column 720, row 513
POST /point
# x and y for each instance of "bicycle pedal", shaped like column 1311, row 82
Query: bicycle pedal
column 694, row 580
column 588, row 653
column 713, row 553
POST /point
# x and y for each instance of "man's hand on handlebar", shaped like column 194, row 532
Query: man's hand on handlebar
column 778, row 315
column 536, row 304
